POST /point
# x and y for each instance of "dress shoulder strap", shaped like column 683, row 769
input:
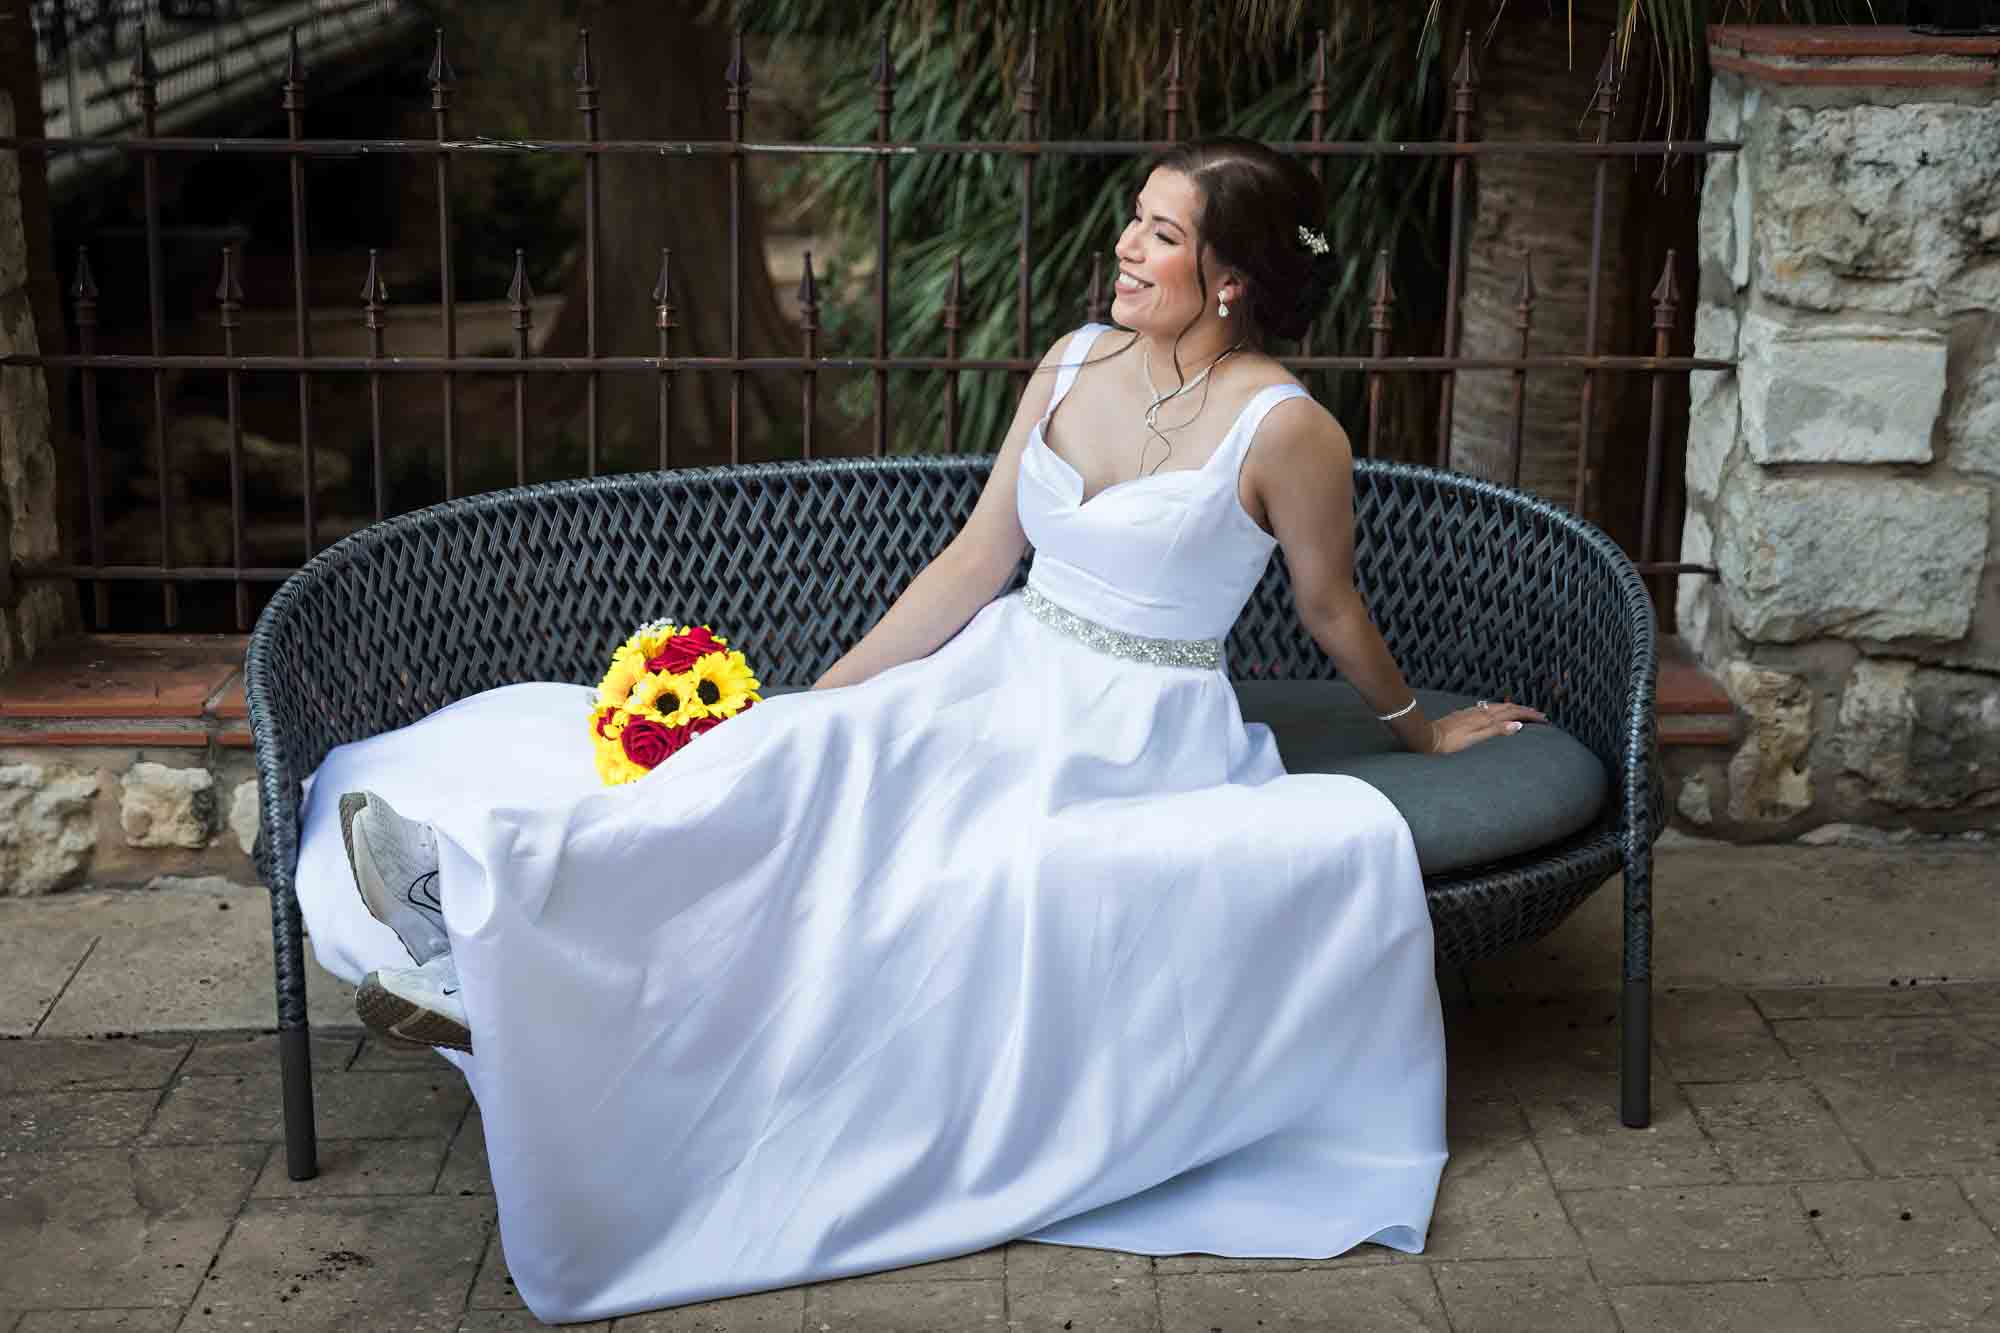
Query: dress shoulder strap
column 1074, row 352
column 1253, row 413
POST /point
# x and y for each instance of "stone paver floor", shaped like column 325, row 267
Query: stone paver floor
column 1821, row 1158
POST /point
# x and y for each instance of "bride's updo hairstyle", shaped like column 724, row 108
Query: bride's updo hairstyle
column 1254, row 201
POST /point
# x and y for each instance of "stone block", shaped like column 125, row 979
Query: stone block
column 245, row 814
column 47, row 827
column 1839, row 393
column 13, row 238
column 1876, row 207
column 1973, row 426
column 1714, row 403
column 1867, row 558
column 1716, row 234
column 167, row 807
column 1769, row 778
column 1920, row 737
column 1694, row 594
column 27, row 458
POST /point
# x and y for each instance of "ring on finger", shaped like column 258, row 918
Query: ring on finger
column 1482, row 705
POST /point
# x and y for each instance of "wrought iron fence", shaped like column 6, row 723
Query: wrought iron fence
column 667, row 364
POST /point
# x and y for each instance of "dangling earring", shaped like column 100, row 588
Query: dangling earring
column 1221, row 306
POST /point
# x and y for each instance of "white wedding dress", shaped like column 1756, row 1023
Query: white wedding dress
column 1020, row 939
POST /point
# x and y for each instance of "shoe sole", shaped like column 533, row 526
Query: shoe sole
column 397, row 1020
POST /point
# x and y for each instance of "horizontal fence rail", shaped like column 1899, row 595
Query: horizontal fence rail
column 665, row 362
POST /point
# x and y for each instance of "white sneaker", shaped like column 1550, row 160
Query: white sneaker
column 416, row 1006
column 395, row 864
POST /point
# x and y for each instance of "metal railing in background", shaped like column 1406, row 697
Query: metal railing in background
column 667, row 363
column 204, row 54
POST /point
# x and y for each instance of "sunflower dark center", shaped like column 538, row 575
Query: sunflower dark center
column 708, row 692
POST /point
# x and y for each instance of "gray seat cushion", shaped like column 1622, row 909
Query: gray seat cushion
column 1502, row 797
column 1499, row 798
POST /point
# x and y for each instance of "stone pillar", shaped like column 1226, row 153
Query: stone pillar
column 1843, row 478
column 31, row 612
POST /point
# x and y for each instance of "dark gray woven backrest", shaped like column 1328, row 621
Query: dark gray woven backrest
column 1475, row 589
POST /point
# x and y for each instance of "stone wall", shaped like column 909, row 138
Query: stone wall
column 1845, row 479
column 116, row 816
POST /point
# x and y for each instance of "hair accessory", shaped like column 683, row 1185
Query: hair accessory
column 1313, row 241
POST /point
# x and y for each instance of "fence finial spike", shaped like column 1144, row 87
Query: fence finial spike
column 1094, row 308
column 884, row 73
column 1524, row 290
column 663, row 288
column 295, row 69
column 144, row 74
column 1026, row 97
column 1667, row 293
column 442, row 76
column 586, row 73
column 519, row 293
column 1385, row 291
column 228, row 291
column 1605, row 100
column 808, row 287
column 1466, row 76
column 738, row 73
column 954, row 291
column 1319, row 60
column 84, row 286
column 374, row 291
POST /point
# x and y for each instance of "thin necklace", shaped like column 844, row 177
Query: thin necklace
column 1161, row 400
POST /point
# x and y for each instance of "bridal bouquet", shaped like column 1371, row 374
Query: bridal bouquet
column 667, row 684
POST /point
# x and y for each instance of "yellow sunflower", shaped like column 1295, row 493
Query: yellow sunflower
column 628, row 664
column 724, row 683
column 672, row 697
column 613, row 767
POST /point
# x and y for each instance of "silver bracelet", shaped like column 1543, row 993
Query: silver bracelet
column 1391, row 717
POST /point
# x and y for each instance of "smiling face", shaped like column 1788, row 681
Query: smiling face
column 1158, row 291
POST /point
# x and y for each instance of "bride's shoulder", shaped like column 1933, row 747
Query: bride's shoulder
column 1099, row 337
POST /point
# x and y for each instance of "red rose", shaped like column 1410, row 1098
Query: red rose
column 647, row 742
column 696, row 726
column 679, row 652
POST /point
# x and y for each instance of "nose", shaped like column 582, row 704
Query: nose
column 1127, row 249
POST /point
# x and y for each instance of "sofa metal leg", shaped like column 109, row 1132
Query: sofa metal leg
column 1635, row 1062
column 301, row 1140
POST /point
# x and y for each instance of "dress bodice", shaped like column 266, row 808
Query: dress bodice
column 1171, row 554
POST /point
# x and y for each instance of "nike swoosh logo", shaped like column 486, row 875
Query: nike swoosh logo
column 452, row 991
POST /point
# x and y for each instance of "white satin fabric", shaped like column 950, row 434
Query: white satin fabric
column 1019, row 939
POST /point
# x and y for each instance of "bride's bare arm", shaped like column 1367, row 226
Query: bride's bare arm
column 969, row 572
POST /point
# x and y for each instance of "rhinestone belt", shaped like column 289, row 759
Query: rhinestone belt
column 1137, row 647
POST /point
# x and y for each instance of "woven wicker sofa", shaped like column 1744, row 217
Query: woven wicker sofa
column 1479, row 591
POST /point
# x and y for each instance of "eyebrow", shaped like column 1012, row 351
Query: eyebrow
column 1162, row 217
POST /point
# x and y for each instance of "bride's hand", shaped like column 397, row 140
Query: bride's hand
column 1469, row 726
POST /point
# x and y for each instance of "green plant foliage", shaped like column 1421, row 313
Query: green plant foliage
column 1101, row 76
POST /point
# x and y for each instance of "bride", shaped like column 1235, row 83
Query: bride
column 1009, row 927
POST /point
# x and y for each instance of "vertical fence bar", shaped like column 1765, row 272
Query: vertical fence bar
column 1174, row 90
column 443, row 80
column 519, row 299
column 145, row 85
column 1603, row 104
column 586, row 103
column 295, row 106
column 229, row 294
column 84, row 290
column 1027, row 105
column 1666, row 313
column 1096, row 310
column 954, row 294
column 1464, row 101
column 885, row 104
column 1381, row 305
column 738, row 76
column 374, row 296
column 1317, row 102
column 1524, row 318
column 808, row 384
column 664, row 320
